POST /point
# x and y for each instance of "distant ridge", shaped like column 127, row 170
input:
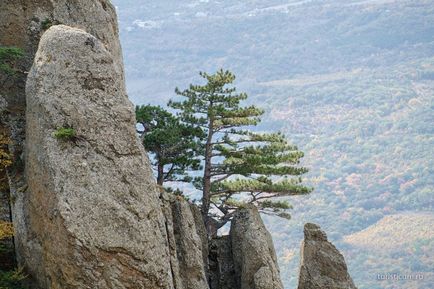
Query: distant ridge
column 393, row 232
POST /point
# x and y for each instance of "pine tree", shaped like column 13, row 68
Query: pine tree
column 240, row 166
column 173, row 144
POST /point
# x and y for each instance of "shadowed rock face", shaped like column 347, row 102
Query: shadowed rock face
column 221, row 262
column 91, row 215
column 322, row 265
column 254, row 257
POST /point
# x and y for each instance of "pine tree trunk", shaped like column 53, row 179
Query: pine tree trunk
column 160, row 174
column 206, row 197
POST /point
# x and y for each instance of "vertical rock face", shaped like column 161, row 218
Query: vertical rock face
column 254, row 257
column 22, row 23
column 90, row 216
column 202, row 233
column 185, row 244
column 322, row 265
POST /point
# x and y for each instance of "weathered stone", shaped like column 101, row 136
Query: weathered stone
column 254, row 257
column 186, row 248
column 22, row 22
column 91, row 214
column 322, row 265
column 222, row 272
column 86, row 215
column 202, row 233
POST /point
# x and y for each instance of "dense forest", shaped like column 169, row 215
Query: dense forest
column 350, row 82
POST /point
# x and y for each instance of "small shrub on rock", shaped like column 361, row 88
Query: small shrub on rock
column 65, row 133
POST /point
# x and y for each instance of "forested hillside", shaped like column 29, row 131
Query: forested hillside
column 350, row 82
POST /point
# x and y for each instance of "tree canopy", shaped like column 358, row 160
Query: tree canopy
column 240, row 166
column 212, row 134
column 173, row 144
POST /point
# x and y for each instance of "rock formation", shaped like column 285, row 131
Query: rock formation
column 246, row 258
column 86, row 210
column 22, row 23
column 185, row 241
column 322, row 265
column 91, row 214
column 255, row 260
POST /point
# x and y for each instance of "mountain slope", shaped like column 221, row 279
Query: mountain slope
column 399, row 246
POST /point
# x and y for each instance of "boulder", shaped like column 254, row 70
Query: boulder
column 254, row 257
column 322, row 265
column 90, row 217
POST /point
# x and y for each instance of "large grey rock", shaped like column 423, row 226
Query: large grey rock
column 91, row 214
column 22, row 23
column 322, row 265
column 185, row 243
column 254, row 257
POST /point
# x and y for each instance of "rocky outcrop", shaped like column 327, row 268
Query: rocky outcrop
column 91, row 214
column 245, row 259
column 254, row 258
column 185, row 243
column 322, row 265
column 22, row 23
